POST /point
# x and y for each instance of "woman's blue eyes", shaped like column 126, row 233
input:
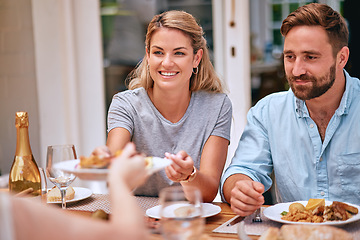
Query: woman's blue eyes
column 161, row 53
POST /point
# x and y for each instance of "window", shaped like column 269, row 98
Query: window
column 280, row 9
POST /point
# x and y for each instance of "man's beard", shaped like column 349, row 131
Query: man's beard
column 320, row 85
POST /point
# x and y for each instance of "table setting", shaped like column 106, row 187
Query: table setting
column 162, row 214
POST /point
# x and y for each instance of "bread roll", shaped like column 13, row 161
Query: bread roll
column 271, row 233
column 306, row 232
column 54, row 194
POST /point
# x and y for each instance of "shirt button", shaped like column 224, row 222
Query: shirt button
column 311, row 125
column 322, row 193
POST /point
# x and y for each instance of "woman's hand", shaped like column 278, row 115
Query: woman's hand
column 129, row 167
column 181, row 168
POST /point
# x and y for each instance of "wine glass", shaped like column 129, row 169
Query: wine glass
column 56, row 155
column 181, row 213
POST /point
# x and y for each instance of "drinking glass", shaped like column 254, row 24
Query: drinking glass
column 43, row 185
column 56, row 155
column 181, row 213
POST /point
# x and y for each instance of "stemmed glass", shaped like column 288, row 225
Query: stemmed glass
column 181, row 213
column 55, row 156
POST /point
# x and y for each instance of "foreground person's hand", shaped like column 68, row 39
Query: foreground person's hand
column 246, row 197
column 130, row 167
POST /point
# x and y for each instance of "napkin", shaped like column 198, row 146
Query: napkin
column 251, row 228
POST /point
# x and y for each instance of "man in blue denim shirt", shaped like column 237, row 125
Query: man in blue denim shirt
column 310, row 135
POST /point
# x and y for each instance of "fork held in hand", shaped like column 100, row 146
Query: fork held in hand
column 257, row 217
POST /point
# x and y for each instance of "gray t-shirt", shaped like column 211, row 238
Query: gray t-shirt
column 207, row 114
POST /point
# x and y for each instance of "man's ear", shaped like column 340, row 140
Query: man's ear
column 343, row 56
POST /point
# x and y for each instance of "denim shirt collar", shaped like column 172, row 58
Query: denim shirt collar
column 302, row 111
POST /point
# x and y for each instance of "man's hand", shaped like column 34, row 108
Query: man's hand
column 129, row 167
column 245, row 195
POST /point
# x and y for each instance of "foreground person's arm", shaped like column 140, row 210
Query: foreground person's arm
column 33, row 220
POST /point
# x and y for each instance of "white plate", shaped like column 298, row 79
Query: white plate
column 208, row 210
column 73, row 166
column 274, row 213
column 80, row 194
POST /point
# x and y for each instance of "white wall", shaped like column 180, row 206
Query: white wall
column 18, row 90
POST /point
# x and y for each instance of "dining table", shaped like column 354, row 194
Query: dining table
column 101, row 201
column 216, row 226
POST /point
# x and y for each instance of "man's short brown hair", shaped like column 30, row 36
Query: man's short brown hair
column 315, row 14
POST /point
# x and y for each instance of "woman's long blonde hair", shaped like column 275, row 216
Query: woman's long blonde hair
column 205, row 78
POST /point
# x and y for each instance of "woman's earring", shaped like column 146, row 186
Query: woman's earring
column 196, row 70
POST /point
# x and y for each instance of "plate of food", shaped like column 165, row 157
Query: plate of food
column 208, row 209
column 73, row 194
column 313, row 212
column 96, row 168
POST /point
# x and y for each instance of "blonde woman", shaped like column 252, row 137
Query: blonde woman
column 175, row 106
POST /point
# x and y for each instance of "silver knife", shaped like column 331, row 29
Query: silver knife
column 235, row 221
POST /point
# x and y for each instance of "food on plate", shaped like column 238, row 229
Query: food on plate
column 339, row 211
column 315, row 211
column 54, row 194
column 297, row 206
column 149, row 162
column 314, row 203
column 94, row 161
column 100, row 214
column 184, row 211
column 305, row 232
column 99, row 162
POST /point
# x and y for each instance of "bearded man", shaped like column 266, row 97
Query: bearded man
column 309, row 136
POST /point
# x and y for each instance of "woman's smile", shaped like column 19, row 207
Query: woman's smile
column 168, row 73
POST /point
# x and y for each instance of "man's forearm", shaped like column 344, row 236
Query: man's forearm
column 230, row 184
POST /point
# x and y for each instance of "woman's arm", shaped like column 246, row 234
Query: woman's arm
column 212, row 163
column 117, row 139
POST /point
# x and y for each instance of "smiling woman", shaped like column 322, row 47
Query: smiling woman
column 175, row 106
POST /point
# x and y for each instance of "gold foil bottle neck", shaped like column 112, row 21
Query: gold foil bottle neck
column 21, row 119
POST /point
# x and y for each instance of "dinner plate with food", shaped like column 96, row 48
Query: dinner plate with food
column 96, row 167
column 73, row 194
column 208, row 210
column 314, row 212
